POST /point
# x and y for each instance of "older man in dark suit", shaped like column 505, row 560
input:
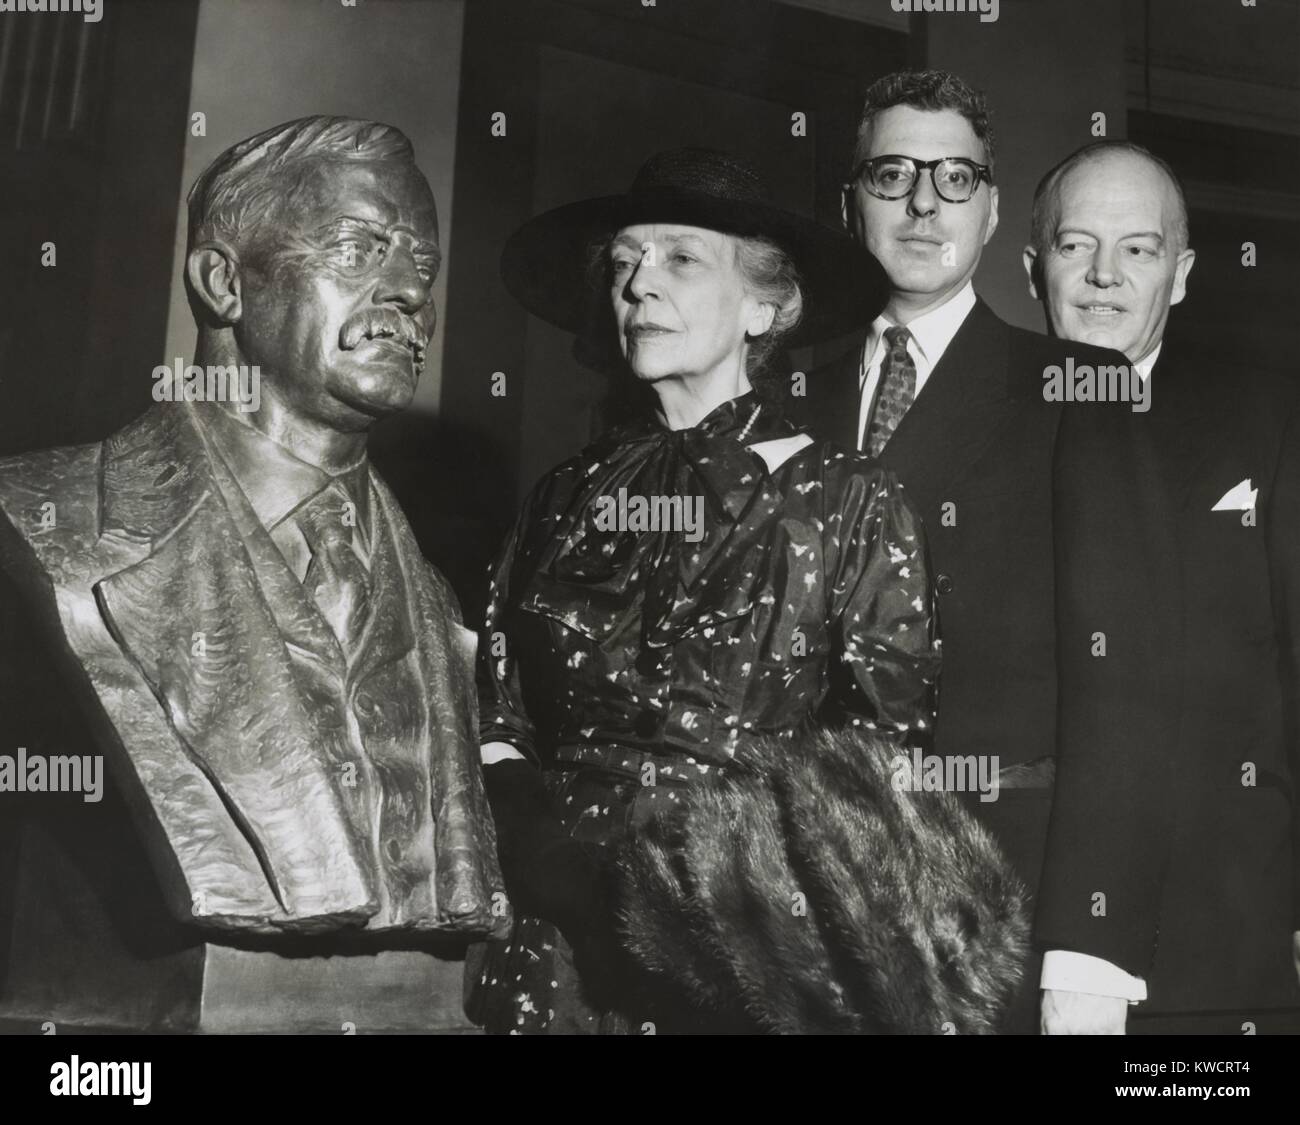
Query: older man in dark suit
column 278, row 675
column 1170, row 860
column 952, row 398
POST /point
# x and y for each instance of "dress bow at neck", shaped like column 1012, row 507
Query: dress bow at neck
column 589, row 573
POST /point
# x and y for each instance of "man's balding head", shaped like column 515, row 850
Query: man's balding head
column 1043, row 214
column 1108, row 252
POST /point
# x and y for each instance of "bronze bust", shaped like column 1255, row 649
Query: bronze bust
column 281, row 683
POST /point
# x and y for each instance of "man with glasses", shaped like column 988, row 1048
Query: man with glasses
column 951, row 398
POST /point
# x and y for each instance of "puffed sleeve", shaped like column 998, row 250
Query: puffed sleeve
column 502, row 714
column 885, row 655
column 502, row 717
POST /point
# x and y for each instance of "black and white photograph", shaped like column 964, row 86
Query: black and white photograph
column 650, row 518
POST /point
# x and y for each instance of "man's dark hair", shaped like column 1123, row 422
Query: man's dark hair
column 1043, row 210
column 931, row 90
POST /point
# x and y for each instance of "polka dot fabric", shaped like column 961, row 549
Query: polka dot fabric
column 627, row 663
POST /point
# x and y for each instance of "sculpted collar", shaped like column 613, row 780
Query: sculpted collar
column 277, row 483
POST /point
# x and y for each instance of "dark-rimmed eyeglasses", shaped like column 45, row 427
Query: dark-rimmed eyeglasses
column 955, row 178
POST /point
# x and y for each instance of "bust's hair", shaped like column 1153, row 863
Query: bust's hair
column 242, row 188
column 768, row 274
column 1043, row 213
column 929, row 90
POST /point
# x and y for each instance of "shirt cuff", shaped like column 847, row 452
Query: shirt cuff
column 1067, row 971
column 493, row 752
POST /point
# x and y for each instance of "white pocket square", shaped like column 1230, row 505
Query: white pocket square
column 1239, row 498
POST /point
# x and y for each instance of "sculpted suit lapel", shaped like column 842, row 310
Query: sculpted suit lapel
column 468, row 885
column 389, row 631
column 193, row 618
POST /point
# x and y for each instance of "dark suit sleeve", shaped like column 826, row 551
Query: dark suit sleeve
column 1282, row 527
column 1116, row 802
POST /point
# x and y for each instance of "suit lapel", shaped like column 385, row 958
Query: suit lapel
column 960, row 409
column 1183, row 416
column 193, row 617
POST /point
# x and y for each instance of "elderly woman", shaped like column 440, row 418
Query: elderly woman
column 702, row 576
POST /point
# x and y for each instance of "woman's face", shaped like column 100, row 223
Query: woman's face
column 680, row 302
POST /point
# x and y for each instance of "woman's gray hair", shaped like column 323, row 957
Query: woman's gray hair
column 770, row 277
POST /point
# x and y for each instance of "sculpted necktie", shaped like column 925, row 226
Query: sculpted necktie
column 897, row 390
column 336, row 578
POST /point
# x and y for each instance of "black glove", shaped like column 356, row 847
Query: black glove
column 552, row 876
column 547, row 873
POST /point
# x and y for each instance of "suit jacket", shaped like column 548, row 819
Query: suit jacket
column 1175, row 791
column 975, row 454
column 225, row 707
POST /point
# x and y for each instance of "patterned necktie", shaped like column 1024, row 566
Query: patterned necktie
column 896, row 392
column 336, row 578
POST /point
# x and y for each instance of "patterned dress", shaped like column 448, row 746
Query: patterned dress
column 627, row 654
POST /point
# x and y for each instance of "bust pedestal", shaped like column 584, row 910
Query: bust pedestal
column 90, row 947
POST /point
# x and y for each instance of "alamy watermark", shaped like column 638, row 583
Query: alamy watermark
column 988, row 9
column 61, row 773
column 102, row 1079
column 935, row 773
column 92, row 11
column 651, row 513
column 1104, row 383
column 232, row 383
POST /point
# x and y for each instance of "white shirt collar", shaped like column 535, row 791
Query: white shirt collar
column 1144, row 368
column 932, row 332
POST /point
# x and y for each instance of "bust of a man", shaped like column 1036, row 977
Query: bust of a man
column 278, row 680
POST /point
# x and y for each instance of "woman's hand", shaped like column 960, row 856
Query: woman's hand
column 547, row 873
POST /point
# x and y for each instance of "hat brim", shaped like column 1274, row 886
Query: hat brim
column 544, row 264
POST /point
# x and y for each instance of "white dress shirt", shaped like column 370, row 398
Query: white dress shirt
column 931, row 332
column 1063, row 969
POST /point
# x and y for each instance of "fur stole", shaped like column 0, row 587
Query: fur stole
column 801, row 892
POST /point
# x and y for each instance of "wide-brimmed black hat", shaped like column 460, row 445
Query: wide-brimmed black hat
column 544, row 264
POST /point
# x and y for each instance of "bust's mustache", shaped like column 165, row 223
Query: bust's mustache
column 388, row 324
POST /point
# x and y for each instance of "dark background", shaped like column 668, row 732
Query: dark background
column 93, row 156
